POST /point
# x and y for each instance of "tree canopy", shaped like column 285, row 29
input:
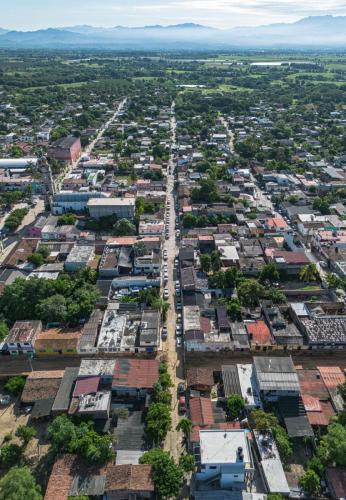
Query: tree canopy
column 81, row 439
column 19, row 484
column 167, row 475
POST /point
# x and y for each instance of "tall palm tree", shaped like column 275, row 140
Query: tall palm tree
column 309, row 273
column 184, row 425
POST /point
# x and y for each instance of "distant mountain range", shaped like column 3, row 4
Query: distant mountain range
column 314, row 32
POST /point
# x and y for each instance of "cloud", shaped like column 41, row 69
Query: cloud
column 220, row 13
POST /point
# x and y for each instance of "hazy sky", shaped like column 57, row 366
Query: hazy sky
column 33, row 14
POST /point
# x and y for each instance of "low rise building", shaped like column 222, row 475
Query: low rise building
column 225, row 459
column 135, row 378
column 122, row 208
column 21, row 338
column 67, row 149
column 79, row 257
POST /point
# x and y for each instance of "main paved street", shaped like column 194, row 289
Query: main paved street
column 173, row 355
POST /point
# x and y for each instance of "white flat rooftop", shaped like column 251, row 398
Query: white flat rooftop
column 113, row 202
column 221, row 446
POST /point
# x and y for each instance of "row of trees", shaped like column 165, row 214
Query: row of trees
column 15, row 218
column 159, row 421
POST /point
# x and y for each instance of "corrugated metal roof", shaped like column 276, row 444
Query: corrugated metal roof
column 230, row 379
column 332, row 376
column 88, row 385
column 62, row 399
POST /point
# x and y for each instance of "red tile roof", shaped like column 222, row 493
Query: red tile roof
column 205, row 237
column 129, row 478
column 64, row 470
column 292, row 257
column 201, row 411
column 88, row 385
column 200, row 376
column 332, row 376
column 260, row 333
column 137, row 373
column 276, row 222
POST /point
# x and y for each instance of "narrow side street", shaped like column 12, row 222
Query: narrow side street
column 173, row 354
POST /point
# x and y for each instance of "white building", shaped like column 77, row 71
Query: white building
column 225, row 458
column 73, row 201
column 79, row 257
column 122, row 208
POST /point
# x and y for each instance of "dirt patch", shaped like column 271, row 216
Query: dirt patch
column 10, row 419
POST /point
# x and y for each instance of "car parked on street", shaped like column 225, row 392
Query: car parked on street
column 182, row 405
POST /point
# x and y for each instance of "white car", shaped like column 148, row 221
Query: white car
column 179, row 342
column 5, row 400
column 165, row 294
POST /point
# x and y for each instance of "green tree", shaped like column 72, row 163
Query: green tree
column 205, row 262
column 235, row 405
column 36, row 259
column 19, row 484
column 249, row 291
column 52, row 309
column 277, row 296
column 316, row 465
column 232, row 275
column 95, row 449
column 217, row 280
column 124, row 227
column 61, row 432
column 184, row 425
column 332, row 447
column 165, row 380
column 67, row 219
column 334, row 281
column 4, row 330
column 309, row 273
column 158, row 422
column 206, row 192
column 215, row 260
column 187, row 462
column 161, row 395
column 263, row 421
column 234, row 310
column 167, row 475
column 310, row 482
column 283, row 443
column 162, row 306
column 269, row 273
column 10, row 454
column 25, row 433
column 15, row 385
column 275, row 496
column 189, row 221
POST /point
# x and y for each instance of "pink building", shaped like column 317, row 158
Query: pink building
column 35, row 231
column 66, row 149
